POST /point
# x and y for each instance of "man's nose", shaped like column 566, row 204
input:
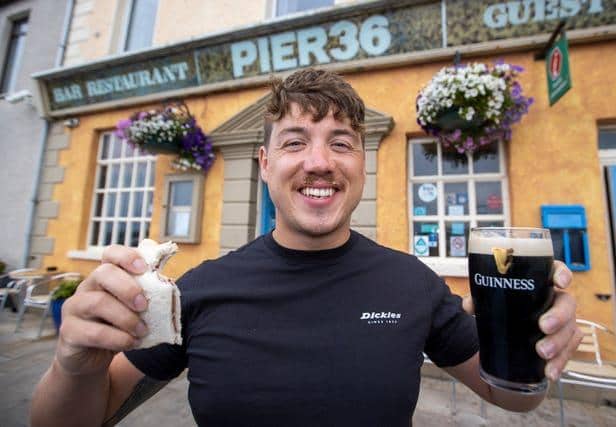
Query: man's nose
column 319, row 159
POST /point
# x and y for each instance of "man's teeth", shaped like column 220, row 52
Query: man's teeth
column 317, row 192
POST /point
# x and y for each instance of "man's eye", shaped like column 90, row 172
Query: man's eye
column 341, row 146
column 293, row 144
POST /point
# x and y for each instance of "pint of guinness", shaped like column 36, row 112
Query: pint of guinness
column 510, row 277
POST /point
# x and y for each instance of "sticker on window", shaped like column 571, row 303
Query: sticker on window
column 457, row 228
column 421, row 246
column 457, row 246
column 427, row 192
column 420, row 211
column 454, row 210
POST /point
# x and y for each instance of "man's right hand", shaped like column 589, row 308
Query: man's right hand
column 102, row 318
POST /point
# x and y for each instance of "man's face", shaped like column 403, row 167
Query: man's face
column 315, row 172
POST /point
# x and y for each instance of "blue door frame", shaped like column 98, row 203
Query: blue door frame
column 268, row 211
column 611, row 189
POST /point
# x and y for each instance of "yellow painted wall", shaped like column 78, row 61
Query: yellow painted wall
column 552, row 159
column 69, row 229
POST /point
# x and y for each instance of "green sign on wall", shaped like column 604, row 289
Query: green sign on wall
column 557, row 70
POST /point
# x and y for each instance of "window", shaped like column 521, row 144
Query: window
column 13, row 56
column 182, row 208
column 451, row 192
column 285, row 7
column 141, row 20
column 123, row 193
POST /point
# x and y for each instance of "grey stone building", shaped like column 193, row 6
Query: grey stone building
column 32, row 35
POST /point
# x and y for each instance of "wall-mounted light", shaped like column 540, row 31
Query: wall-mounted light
column 71, row 123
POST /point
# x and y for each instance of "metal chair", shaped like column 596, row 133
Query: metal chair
column 15, row 286
column 38, row 296
column 590, row 374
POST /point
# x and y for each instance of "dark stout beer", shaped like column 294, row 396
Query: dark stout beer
column 510, row 276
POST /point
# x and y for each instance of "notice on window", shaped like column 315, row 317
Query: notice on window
column 427, row 192
column 420, row 211
column 455, row 210
column 421, row 246
column 457, row 246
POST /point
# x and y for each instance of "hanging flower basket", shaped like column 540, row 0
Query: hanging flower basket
column 469, row 107
column 169, row 130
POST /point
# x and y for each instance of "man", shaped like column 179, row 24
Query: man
column 278, row 333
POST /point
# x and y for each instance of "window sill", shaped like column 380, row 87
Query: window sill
column 447, row 267
column 94, row 253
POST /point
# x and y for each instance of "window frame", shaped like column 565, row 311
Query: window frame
column 128, row 15
column 276, row 15
column 12, row 21
column 442, row 264
column 115, row 218
column 196, row 208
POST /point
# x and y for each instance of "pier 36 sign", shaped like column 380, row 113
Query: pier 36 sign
column 358, row 33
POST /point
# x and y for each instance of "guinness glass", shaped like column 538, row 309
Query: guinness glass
column 510, row 277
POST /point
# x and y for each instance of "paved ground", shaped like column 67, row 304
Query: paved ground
column 23, row 359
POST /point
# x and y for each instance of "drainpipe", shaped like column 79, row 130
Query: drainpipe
column 66, row 25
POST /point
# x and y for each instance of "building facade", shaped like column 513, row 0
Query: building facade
column 560, row 156
column 31, row 35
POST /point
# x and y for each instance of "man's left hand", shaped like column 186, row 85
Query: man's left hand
column 562, row 336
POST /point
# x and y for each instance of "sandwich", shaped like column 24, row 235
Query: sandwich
column 162, row 317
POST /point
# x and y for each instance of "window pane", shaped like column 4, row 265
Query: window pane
column 457, row 238
column 105, row 146
column 141, row 169
column 102, row 176
column 129, row 151
column 607, row 139
column 425, row 199
column 116, row 150
column 98, row 208
column 14, row 52
column 107, row 234
column 152, row 173
column 486, row 160
column 134, row 233
column 141, row 25
column 181, row 193
column 425, row 234
column 148, row 205
column 121, row 233
column 127, row 175
column 284, row 7
column 424, row 159
column 124, row 198
column 111, row 199
column 179, row 223
column 489, row 198
column 456, row 199
column 146, row 232
column 137, row 203
column 115, row 176
column 454, row 163
column 94, row 235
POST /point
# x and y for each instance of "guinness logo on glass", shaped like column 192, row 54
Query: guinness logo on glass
column 503, row 259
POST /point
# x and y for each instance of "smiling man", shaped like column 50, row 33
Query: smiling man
column 310, row 325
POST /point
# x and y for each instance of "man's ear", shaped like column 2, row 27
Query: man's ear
column 263, row 164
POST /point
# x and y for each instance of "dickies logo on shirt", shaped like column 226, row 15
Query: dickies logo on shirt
column 380, row 317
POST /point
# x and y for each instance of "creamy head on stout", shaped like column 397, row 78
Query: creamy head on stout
column 521, row 247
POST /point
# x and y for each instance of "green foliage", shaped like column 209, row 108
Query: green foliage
column 65, row 289
column 2, row 267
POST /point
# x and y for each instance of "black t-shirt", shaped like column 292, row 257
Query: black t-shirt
column 279, row 337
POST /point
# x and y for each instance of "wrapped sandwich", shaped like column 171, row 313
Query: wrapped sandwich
column 163, row 314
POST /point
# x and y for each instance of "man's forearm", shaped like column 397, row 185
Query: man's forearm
column 68, row 400
column 513, row 401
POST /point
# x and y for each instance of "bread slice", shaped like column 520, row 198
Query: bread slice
column 163, row 314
